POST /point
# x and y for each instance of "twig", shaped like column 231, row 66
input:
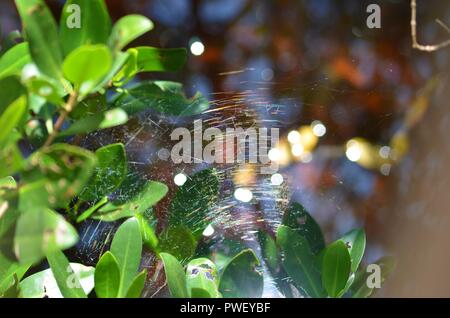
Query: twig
column 71, row 102
column 415, row 44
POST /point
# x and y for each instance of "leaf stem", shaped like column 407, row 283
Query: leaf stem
column 69, row 106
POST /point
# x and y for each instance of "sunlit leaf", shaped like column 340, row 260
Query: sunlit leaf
column 11, row 118
column 12, row 62
column 335, row 268
column 128, row 29
column 137, row 285
column 175, row 276
column 95, row 24
column 355, row 241
column 107, row 276
column 127, row 248
column 202, row 274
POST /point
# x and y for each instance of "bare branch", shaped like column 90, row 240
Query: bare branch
column 415, row 43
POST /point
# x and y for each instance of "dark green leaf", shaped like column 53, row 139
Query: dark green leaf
column 40, row 232
column 179, row 242
column 165, row 97
column 299, row 262
column 127, row 248
column 148, row 233
column 128, row 29
column 298, row 219
column 355, row 241
column 11, row 118
column 194, row 200
column 335, row 268
column 107, row 276
column 151, row 194
column 137, row 285
column 68, row 282
column 87, row 213
column 241, row 278
column 42, row 35
column 109, row 173
column 12, row 62
column 11, row 90
column 175, row 276
column 95, row 24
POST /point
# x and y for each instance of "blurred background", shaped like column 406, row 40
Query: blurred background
column 364, row 118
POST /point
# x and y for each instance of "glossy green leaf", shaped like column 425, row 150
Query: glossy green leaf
column 94, row 24
column 298, row 261
column 127, row 248
column 13, row 291
column 298, row 219
column 120, row 58
column 40, row 232
column 42, row 35
column 68, row 283
column 194, row 200
column 175, row 276
column 241, row 278
column 335, row 268
column 137, row 285
column 162, row 96
column 148, row 196
column 11, row 118
column 179, row 242
column 8, row 269
column 355, row 241
column 109, row 173
column 128, row 29
column 43, row 284
column 86, row 66
column 107, row 276
column 12, row 62
column 202, row 278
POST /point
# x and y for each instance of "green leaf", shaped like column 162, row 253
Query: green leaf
column 107, row 276
column 13, row 291
column 128, row 29
column 47, row 89
column 68, row 282
column 11, row 118
column 148, row 233
column 127, row 248
column 7, row 271
column 109, row 173
column 179, row 242
column 40, row 232
column 86, row 66
column 137, row 285
column 299, row 262
column 60, row 171
column 335, row 268
column 11, row 159
column 42, row 35
column 43, row 284
column 151, row 59
column 202, row 278
column 355, row 241
column 8, row 183
column 194, row 201
column 359, row 287
column 162, row 96
column 298, row 219
column 151, row 193
column 241, row 278
column 120, row 58
column 95, row 24
column 175, row 276
column 12, row 89
column 12, row 62
column 103, row 120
